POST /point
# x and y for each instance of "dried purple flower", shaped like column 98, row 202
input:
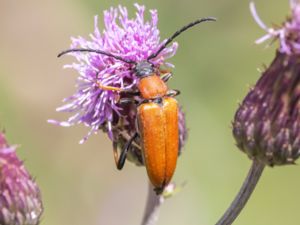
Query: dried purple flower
column 20, row 199
column 131, row 39
column 267, row 124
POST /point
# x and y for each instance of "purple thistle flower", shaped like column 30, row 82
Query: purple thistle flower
column 99, row 107
column 267, row 124
column 20, row 199
column 132, row 39
column 288, row 33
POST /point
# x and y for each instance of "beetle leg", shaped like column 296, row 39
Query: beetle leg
column 109, row 88
column 120, row 160
column 106, row 87
column 127, row 101
column 130, row 100
column 173, row 93
column 115, row 152
column 142, row 102
column 131, row 92
column 166, row 76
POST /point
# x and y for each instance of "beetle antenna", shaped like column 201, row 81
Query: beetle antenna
column 169, row 40
column 96, row 51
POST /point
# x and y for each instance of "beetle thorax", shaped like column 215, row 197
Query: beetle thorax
column 152, row 87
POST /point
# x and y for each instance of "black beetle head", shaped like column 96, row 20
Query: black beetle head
column 144, row 69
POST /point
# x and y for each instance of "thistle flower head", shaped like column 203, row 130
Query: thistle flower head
column 20, row 200
column 132, row 39
column 267, row 124
column 288, row 33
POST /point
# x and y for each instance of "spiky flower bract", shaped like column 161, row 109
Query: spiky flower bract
column 20, row 199
column 267, row 124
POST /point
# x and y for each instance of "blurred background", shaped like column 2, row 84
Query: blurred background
column 216, row 63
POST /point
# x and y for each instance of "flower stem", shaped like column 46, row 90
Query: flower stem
column 244, row 194
column 152, row 207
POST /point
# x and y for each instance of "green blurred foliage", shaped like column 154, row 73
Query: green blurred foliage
column 215, row 66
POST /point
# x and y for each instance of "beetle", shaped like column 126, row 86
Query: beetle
column 157, row 115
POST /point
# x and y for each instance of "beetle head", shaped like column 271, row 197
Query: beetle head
column 144, row 69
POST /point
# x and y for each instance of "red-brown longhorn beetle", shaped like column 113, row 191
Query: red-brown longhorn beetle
column 157, row 115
